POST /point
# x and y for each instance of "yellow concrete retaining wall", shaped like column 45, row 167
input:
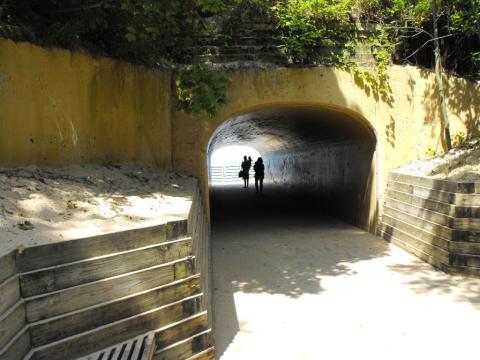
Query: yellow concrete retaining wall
column 61, row 107
column 405, row 126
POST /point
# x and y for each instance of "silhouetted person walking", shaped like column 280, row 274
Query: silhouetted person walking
column 259, row 174
column 246, row 165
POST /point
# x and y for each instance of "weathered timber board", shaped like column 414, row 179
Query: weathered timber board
column 18, row 348
column 68, row 325
column 99, row 338
column 38, row 257
column 183, row 330
column 208, row 354
column 61, row 277
column 11, row 323
column 104, row 290
column 8, row 266
column 9, row 294
column 186, row 348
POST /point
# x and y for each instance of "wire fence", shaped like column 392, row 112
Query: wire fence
column 227, row 174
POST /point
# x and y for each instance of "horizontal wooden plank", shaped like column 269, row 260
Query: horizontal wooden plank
column 415, row 231
column 426, row 225
column 8, row 266
column 64, row 276
column 414, row 251
column 436, row 184
column 11, row 323
column 38, row 257
column 177, row 229
column 466, row 260
column 208, row 354
column 186, row 348
column 9, row 293
column 185, row 329
column 18, row 347
column 441, row 254
column 70, row 324
column 441, row 207
column 420, row 212
column 89, row 342
column 426, row 193
column 85, row 295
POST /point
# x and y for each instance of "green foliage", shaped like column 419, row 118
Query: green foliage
column 430, row 152
column 458, row 139
column 199, row 88
column 325, row 32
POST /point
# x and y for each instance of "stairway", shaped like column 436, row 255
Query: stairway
column 99, row 295
column 436, row 220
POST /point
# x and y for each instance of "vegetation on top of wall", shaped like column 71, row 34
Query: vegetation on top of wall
column 330, row 32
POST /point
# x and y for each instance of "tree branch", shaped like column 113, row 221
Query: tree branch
column 425, row 43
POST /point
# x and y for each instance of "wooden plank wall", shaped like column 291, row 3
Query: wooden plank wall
column 199, row 229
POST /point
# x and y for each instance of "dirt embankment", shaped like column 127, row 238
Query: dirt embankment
column 461, row 164
column 39, row 206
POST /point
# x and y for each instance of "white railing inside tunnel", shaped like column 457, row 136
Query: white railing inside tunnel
column 226, row 174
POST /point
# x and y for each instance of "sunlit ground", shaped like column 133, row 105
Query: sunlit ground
column 292, row 286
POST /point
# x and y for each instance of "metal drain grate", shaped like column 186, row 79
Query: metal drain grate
column 139, row 348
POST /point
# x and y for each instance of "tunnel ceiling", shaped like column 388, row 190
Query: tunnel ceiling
column 287, row 129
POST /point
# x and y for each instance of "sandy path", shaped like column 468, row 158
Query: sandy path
column 300, row 287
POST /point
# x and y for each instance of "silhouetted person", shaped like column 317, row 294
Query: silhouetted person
column 259, row 174
column 246, row 165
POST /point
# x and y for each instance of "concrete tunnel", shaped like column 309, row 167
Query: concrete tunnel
column 323, row 159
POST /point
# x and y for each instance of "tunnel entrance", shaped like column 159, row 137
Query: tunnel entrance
column 318, row 159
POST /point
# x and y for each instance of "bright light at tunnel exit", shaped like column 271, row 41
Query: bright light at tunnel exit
column 232, row 155
column 225, row 163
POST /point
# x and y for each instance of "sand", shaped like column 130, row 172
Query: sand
column 294, row 286
column 462, row 164
column 40, row 206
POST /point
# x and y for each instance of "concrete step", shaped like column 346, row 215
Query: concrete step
column 186, row 348
column 436, row 184
column 119, row 331
column 85, row 295
column 54, row 329
column 435, row 217
column 137, row 348
column 38, row 257
column 93, row 269
column 440, row 254
column 181, row 330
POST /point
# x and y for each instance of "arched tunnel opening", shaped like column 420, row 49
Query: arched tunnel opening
column 272, row 254
column 316, row 160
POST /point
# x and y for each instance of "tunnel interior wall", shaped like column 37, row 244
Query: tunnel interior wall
column 336, row 178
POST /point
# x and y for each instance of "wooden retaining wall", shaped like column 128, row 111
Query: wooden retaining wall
column 436, row 220
column 70, row 299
